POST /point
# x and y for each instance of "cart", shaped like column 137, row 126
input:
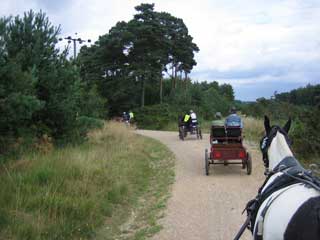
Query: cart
column 227, row 148
column 194, row 129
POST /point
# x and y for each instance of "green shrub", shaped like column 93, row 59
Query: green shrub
column 306, row 133
column 154, row 117
column 84, row 124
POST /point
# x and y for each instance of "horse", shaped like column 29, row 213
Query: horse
column 288, row 203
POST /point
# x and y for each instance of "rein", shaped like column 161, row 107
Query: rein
column 293, row 173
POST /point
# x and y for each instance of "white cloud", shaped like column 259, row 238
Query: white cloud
column 237, row 36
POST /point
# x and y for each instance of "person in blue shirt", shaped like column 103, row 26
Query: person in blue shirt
column 233, row 120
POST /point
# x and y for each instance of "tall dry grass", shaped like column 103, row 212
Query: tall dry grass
column 69, row 193
column 253, row 129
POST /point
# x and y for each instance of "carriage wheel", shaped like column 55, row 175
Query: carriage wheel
column 181, row 133
column 206, row 159
column 244, row 164
column 249, row 164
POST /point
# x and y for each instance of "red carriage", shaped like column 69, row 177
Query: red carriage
column 227, row 148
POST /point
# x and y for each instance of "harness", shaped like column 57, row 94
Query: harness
column 293, row 173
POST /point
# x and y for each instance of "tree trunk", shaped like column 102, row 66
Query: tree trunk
column 185, row 80
column 142, row 91
column 185, row 85
column 175, row 75
column 173, row 83
column 161, row 82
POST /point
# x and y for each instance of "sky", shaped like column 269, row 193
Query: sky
column 259, row 47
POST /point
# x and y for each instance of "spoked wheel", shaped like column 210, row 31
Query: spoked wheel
column 206, row 159
column 198, row 133
column 181, row 133
column 244, row 164
column 249, row 164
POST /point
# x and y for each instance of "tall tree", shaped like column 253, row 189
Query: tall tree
column 136, row 54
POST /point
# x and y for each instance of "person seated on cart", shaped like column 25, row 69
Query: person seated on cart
column 187, row 120
column 234, row 127
column 125, row 117
column 131, row 116
column 218, row 129
column 218, row 122
column 193, row 116
column 233, row 120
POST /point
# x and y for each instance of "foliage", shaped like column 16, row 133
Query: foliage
column 306, row 133
column 204, row 98
column 129, row 61
column 309, row 95
column 302, row 105
column 70, row 193
column 84, row 124
column 154, row 117
column 41, row 92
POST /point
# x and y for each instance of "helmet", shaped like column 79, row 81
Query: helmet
column 218, row 115
column 191, row 111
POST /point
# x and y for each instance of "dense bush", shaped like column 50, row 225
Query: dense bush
column 204, row 98
column 154, row 117
column 41, row 92
column 302, row 105
column 306, row 133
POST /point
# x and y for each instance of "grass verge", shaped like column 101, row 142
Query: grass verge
column 112, row 187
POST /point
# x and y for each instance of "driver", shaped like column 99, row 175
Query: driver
column 187, row 120
column 233, row 120
column 193, row 117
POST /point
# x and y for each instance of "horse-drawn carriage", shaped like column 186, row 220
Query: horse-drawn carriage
column 192, row 129
column 227, row 148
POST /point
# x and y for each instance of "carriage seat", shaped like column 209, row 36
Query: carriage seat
column 218, row 133
column 234, row 134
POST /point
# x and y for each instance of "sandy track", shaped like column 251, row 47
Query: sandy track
column 205, row 207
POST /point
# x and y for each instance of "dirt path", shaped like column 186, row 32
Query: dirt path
column 206, row 207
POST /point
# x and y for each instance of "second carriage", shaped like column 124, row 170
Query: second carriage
column 193, row 128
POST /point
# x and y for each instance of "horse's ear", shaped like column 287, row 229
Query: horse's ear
column 286, row 127
column 267, row 124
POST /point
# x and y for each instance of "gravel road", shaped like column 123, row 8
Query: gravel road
column 206, row 207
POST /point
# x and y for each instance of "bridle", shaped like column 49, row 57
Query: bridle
column 292, row 173
column 266, row 142
column 253, row 205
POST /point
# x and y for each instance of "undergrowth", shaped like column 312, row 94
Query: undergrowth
column 74, row 192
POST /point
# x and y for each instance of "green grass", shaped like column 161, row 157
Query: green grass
column 87, row 191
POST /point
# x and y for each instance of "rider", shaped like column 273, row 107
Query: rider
column 218, row 121
column 233, row 120
column 187, row 120
column 131, row 116
column 125, row 117
column 193, row 117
